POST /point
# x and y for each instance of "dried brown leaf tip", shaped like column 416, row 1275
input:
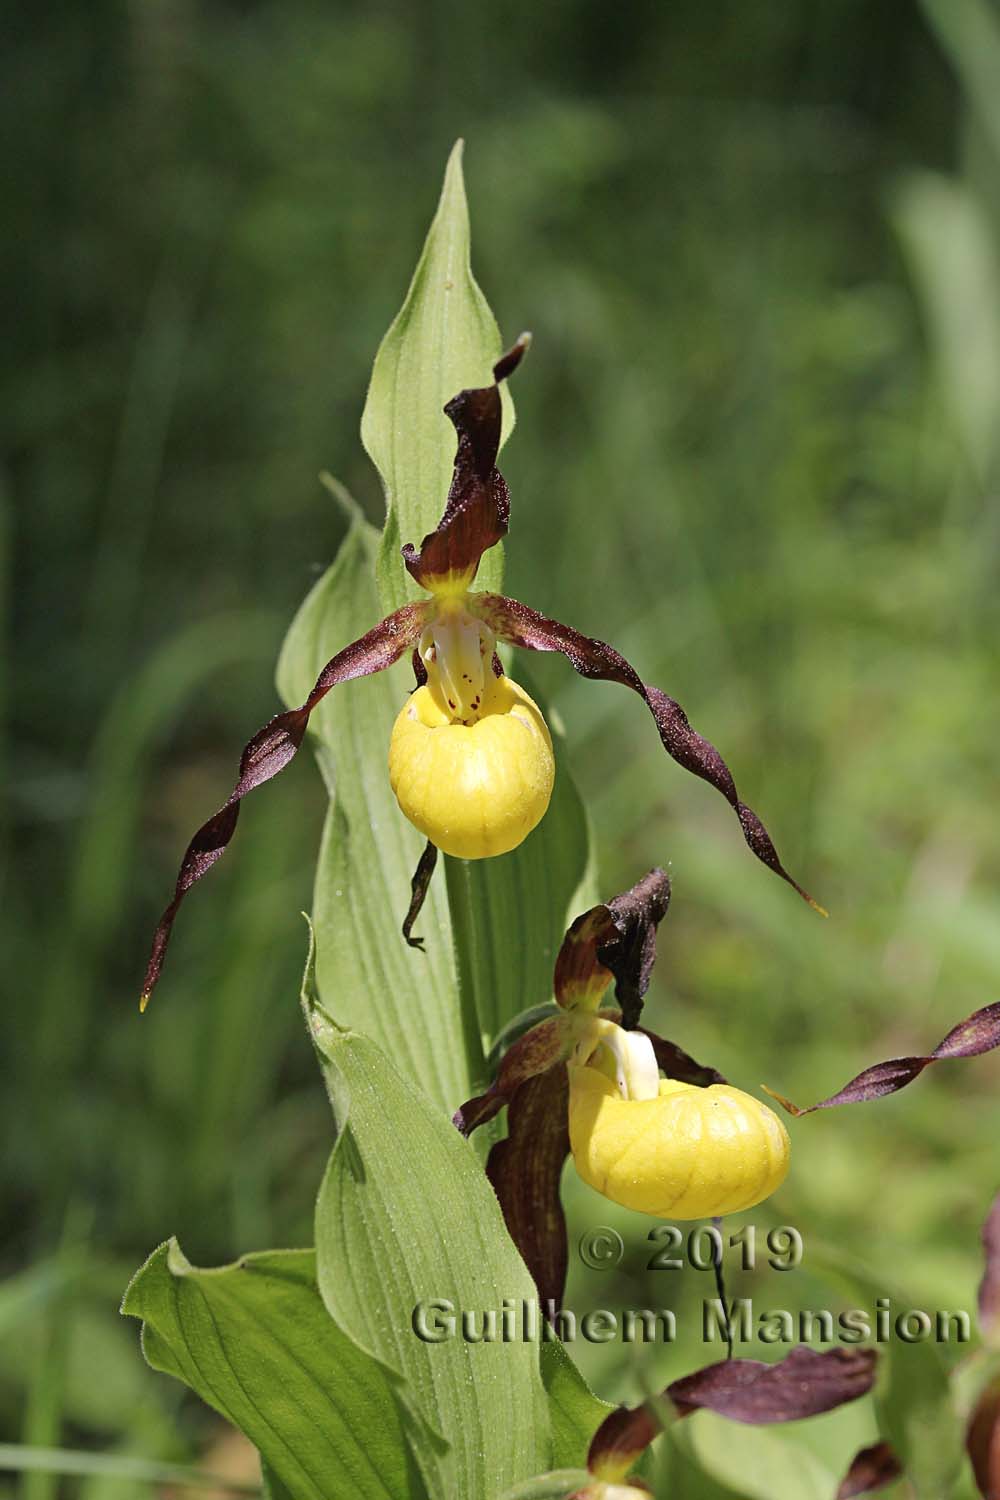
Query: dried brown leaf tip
column 977, row 1034
column 803, row 1384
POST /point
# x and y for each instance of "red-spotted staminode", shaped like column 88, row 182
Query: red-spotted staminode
column 471, row 759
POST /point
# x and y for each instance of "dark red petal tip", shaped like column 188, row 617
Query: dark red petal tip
column 521, row 626
column 615, row 940
column 525, row 1169
column 872, row 1469
column 977, row 1034
column 477, row 510
column 269, row 752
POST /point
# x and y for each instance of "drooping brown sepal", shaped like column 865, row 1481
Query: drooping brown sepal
column 525, row 1169
column 615, row 940
column 977, row 1034
column 269, row 752
column 530, row 1055
column 803, row 1384
column 477, row 511
column 871, row 1469
column 521, row 626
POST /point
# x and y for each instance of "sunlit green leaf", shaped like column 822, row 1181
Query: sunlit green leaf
column 406, row 1219
column 443, row 339
column 254, row 1340
column 368, row 977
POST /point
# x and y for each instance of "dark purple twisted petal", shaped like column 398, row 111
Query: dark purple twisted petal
column 269, row 752
column 872, row 1469
column 977, row 1034
column 525, row 1169
column 803, row 1384
column 616, row 939
column 477, row 511
column 521, row 626
column 531, row 1054
column 989, row 1287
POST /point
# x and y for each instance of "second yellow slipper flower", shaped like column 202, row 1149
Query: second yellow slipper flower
column 667, row 1148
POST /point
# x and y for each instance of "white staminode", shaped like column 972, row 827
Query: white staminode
column 636, row 1072
column 456, row 650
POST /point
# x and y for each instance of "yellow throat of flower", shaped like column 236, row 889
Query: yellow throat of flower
column 684, row 1153
column 470, row 760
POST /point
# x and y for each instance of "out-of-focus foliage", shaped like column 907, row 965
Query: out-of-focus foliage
column 756, row 446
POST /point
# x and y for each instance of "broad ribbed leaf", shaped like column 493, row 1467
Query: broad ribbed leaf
column 443, row 339
column 255, row 1341
column 368, row 976
column 508, row 914
column 405, row 1218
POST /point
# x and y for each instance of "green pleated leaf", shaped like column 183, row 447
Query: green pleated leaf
column 406, row 1218
column 443, row 339
column 369, row 979
column 255, row 1341
column 492, row 927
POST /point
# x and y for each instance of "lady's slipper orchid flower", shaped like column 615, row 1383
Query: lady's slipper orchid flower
column 586, row 1081
column 470, row 759
column 685, row 1146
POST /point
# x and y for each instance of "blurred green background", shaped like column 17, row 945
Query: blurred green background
column 758, row 447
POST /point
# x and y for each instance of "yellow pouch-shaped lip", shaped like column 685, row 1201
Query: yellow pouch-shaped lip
column 691, row 1153
column 475, row 789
